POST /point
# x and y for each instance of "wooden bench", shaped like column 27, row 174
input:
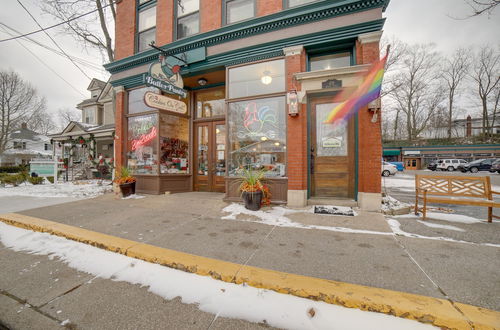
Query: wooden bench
column 460, row 190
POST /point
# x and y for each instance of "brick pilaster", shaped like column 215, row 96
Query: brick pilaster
column 125, row 29
column 120, row 126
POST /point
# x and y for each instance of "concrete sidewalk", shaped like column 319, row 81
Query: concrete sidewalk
column 360, row 250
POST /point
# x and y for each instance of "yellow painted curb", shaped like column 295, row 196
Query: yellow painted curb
column 439, row 312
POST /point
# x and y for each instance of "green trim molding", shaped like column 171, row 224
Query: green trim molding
column 313, row 12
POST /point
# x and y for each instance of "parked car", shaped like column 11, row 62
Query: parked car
column 433, row 165
column 399, row 165
column 388, row 169
column 450, row 164
column 477, row 165
column 495, row 167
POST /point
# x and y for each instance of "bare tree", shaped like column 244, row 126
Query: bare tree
column 67, row 115
column 19, row 103
column 85, row 29
column 418, row 92
column 42, row 122
column 454, row 71
column 480, row 7
column 486, row 75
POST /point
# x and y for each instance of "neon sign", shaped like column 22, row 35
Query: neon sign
column 144, row 139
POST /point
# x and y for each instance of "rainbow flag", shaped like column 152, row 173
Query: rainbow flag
column 368, row 91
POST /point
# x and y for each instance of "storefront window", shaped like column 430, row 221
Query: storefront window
column 174, row 144
column 257, row 79
column 332, row 61
column 257, row 136
column 136, row 99
column 210, row 104
column 142, row 147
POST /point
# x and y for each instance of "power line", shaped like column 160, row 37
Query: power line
column 48, row 67
column 82, row 61
column 55, row 43
column 58, row 24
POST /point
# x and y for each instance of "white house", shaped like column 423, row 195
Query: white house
column 25, row 145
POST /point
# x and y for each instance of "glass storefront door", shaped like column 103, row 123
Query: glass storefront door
column 210, row 156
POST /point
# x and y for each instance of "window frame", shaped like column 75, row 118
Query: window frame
column 177, row 17
column 332, row 51
column 142, row 7
column 224, row 12
column 286, row 4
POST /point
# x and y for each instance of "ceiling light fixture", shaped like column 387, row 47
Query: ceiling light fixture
column 266, row 78
column 202, row 81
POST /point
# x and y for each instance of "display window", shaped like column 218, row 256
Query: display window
column 142, row 147
column 136, row 100
column 174, row 144
column 257, row 136
column 257, row 79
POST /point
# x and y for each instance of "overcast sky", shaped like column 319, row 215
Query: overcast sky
column 413, row 21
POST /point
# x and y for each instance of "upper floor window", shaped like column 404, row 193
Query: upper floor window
column 19, row 145
column 47, row 147
column 294, row 3
column 89, row 116
column 188, row 18
column 330, row 61
column 146, row 27
column 238, row 10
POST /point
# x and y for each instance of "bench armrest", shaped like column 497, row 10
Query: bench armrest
column 495, row 192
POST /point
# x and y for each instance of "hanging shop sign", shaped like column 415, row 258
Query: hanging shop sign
column 164, row 103
column 164, row 86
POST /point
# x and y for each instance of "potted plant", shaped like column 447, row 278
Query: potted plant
column 253, row 191
column 125, row 181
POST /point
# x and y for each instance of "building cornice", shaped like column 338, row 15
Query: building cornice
column 313, row 12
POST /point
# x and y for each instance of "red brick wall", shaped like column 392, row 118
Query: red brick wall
column 296, row 130
column 266, row 7
column 210, row 15
column 125, row 29
column 120, row 100
column 164, row 22
column 369, row 134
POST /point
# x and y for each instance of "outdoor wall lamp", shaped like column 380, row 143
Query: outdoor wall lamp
column 266, row 79
column 374, row 106
column 202, row 81
column 293, row 103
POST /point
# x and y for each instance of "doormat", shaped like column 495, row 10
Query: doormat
column 334, row 210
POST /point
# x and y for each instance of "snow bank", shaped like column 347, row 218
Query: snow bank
column 390, row 204
column 86, row 189
column 212, row 296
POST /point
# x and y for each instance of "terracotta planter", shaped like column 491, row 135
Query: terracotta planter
column 127, row 189
column 252, row 200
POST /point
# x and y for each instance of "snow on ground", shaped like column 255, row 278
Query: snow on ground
column 391, row 204
column 212, row 296
column 450, row 217
column 435, row 225
column 81, row 189
column 276, row 216
column 405, row 182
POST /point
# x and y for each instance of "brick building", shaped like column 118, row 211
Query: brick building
column 246, row 83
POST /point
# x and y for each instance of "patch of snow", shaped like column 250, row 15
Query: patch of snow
column 89, row 189
column 277, row 217
column 450, row 217
column 134, row 196
column 210, row 295
column 389, row 204
column 399, row 184
column 435, row 225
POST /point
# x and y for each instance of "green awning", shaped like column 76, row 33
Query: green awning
column 391, row 152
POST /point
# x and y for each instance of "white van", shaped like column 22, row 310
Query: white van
column 450, row 164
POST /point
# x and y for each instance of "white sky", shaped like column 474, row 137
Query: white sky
column 409, row 20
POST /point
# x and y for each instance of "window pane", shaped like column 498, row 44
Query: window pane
column 147, row 19
column 239, row 10
column 220, row 140
column 202, row 150
column 142, row 148
column 188, row 25
column 136, row 99
column 257, row 136
column 332, row 61
column 210, row 104
column 257, row 79
column 185, row 7
column 331, row 140
column 293, row 3
column 174, row 144
column 145, row 39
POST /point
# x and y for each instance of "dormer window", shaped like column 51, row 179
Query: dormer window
column 89, row 116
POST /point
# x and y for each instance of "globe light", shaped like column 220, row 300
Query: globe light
column 266, row 79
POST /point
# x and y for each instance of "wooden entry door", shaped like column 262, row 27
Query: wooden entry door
column 210, row 156
column 412, row 163
column 331, row 154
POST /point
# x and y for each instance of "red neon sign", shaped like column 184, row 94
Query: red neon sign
column 144, row 139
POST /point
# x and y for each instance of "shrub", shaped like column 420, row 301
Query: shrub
column 36, row 180
column 13, row 179
column 11, row 169
column 51, row 179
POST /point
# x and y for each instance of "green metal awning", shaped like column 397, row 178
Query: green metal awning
column 392, row 152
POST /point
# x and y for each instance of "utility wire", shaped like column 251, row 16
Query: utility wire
column 82, row 61
column 48, row 67
column 55, row 43
column 58, row 24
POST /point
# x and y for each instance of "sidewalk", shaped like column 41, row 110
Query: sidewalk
column 359, row 250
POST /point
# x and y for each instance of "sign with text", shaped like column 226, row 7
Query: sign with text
column 164, row 86
column 164, row 103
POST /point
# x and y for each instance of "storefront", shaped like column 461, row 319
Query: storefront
column 191, row 114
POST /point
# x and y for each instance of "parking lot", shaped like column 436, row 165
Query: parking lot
column 402, row 187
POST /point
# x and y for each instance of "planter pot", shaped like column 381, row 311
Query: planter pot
column 252, row 200
column 127, row 189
